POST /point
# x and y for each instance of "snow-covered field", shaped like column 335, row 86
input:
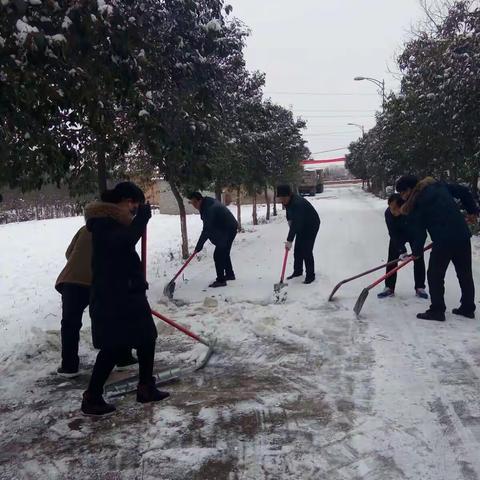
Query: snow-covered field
column 303, row 390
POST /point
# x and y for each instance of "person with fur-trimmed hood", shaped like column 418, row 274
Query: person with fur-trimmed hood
column 119, row 309
column 432, row 204
column 73, row 284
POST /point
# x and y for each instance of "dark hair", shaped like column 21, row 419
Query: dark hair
column 406, row 182
column 195, row 195
column 123, row 191
column 395, row 198
column 284, row 190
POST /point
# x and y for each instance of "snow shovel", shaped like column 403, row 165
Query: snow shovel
column 363, row 296
column 278, row 287
column 129, row 385
column 170, row 286
column 343, row 282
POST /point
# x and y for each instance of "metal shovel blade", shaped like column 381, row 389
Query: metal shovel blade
column 169, row 289
column 279, row 286
column 361, row 300
column 279, row 292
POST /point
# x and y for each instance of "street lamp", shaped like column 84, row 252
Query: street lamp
column 361, row 127
column 379, row 83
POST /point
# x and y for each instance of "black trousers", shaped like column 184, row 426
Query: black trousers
column 303, row 253
column 106, row 360
column 440, row 258
column 418, row 269
column 221, row 257
column 75, row 299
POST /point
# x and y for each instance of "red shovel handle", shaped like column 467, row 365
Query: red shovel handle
column 185, row 265
column 144, row 253
column 180, row 327
column 395, row 270
column 284, row 266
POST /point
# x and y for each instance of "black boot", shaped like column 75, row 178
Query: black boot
column 95, row 406
column 309, row 279
column 230, row 278
column 464, row 313
column 68, row 372
column 218, row 283
column 294, row 275
column 148, row 392
column 432, row 315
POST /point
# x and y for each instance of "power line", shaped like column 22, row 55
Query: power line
column 337, row 116
column 345, row 132
column 334, row 111
column 328, row 136
column 328, row 151
column 324, row 94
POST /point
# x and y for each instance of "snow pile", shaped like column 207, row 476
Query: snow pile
column 24, row 29
column 104, row 8
column 213, row 26
column 66, row 22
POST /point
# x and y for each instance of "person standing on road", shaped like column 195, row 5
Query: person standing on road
column 119, row 309
column 73, row 284
column 220, row 227
column 432, row 205
column 402, row 231
column 304, row 224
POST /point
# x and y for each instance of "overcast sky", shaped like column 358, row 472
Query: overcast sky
column 319, row 46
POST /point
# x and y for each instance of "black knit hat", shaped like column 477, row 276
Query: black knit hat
column 406, row 182
column 284, row 191
column 123, row 191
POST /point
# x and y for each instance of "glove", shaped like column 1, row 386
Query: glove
column 198, row 248
column 404, row 257
column 288, row 245
column 472, row 219
column 144, row 213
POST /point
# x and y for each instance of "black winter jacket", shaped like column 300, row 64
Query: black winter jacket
column 433, row 206
column 219, row 224
column 119, row 308
column 302, row 217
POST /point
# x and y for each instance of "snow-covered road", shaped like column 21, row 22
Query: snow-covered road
column 302, row 390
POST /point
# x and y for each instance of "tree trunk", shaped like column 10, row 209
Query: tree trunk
column 254, row 209
column 183, row 219
column 239, row 208
column 475, row 183
column 274, row 202
column 267, row 199
column 218, row 192
column 101, row 169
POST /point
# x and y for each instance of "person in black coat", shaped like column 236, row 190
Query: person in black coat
column 119, row 309
column 401, row 232
column 220, row 227
column 304, row 224
column 432, row 205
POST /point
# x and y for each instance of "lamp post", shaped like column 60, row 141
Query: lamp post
column 361, row 127
column 379, row 83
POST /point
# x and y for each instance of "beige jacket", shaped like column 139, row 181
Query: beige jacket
column 78, row 269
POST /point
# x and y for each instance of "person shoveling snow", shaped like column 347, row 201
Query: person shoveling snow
column 220, row 227
column 304, row 224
